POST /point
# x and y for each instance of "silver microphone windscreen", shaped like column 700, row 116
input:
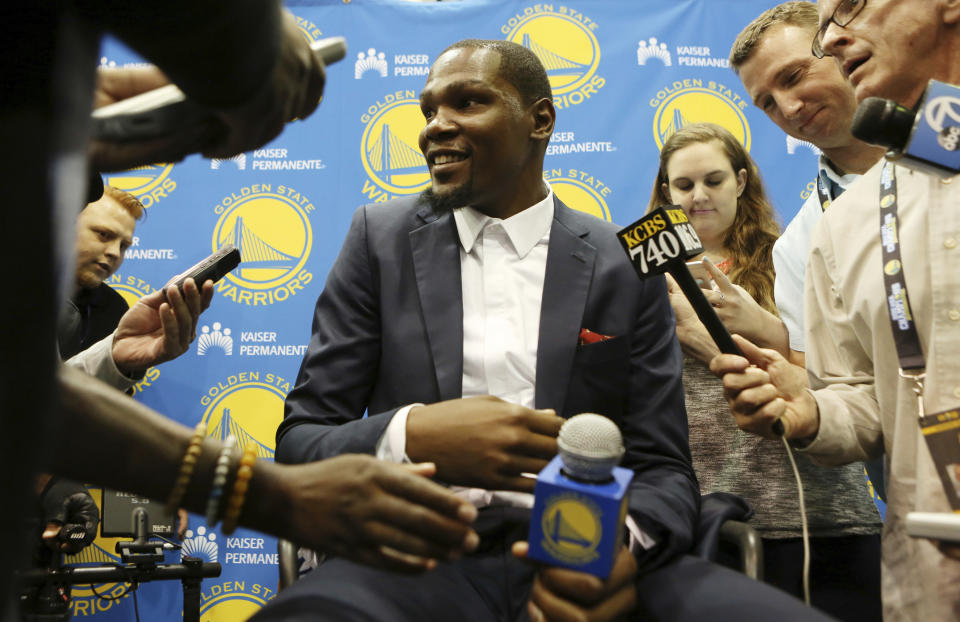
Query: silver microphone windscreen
column 590, row 446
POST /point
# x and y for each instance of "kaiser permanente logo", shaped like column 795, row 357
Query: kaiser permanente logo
column 565, row 43
column 138, row 252
column 389, row 147
column 370, row 61
column 270, row 159
column 133, row 289
column 580, row 190
column 270, row 226
column 694, row 100
column 150, row 184
column 218, row 339
column 687, row 55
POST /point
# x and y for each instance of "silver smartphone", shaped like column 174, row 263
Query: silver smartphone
column 701, row 274
column 163, row 110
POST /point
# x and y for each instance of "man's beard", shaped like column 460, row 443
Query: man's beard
column 461, row 196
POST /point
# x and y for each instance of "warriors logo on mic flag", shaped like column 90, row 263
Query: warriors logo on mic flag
column 580, row 499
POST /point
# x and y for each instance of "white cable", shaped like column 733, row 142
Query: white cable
column 803, row 524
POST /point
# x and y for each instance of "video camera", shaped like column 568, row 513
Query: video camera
column 45, row 592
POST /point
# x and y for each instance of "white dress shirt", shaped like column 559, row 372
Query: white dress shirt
column 502, row 266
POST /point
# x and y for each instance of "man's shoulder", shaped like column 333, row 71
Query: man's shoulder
column 398, row 208
column 110, row 299
column 858, row 200
column 600, row 232
column 797, row 234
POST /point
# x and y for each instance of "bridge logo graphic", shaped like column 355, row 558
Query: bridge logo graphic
column 571, row 528
column 697, row 104
column 566, row 45
column 390, row 148
column 578, row 194
column 250, row 410
column 272, row 231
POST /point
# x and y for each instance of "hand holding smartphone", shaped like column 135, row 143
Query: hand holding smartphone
column 212, row 268
column 701, row 275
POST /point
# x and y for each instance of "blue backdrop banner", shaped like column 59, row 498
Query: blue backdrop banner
column 625, row 74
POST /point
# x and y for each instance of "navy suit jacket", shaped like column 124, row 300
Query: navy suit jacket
column 388, row 331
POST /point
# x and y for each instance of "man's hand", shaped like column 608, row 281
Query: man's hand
column 483, row 441
column 743, row 315
column 765, row 387
column 118, row 84
column 153, row 331
column 292, row 92
column 377, row 513
column 77, row 510
column 559, row 594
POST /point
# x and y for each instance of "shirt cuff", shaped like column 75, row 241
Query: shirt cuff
column 639, row 540
column 97, row 361
column 392, row 446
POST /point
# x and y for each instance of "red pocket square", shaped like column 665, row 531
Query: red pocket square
column 587, row 337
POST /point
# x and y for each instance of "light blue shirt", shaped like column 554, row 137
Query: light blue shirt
column 790, row 254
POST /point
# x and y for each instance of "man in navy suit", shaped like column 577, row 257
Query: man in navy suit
column 468, row 323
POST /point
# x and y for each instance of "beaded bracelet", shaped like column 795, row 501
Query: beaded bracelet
column 240, row 484
column 190, row 457
column 219, row 480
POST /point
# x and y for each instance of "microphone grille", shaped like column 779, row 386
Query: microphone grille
column 590, row 446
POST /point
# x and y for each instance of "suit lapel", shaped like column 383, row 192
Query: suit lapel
column 436, row 262
column 570, row 261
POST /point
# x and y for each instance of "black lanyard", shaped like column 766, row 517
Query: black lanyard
column 905, row 338
column 822, row 193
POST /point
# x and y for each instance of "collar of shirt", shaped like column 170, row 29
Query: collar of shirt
column 524, row 229
column 827, row 171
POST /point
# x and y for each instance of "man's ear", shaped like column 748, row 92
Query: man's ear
column 951, row 11
column 544, row 117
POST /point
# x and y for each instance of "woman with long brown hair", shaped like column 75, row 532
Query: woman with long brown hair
column 708, row 173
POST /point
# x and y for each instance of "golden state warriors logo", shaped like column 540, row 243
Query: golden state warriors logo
column 390, row 148
column 229, row 601
column 269, row 225
column 565, row 43
column 248, row 406
column 892, row 267
column 580, row 191
column 571, row 528
column 133, row 289
column 694, row 101
column 149, row 183
column 310, row 31
column 84, row 601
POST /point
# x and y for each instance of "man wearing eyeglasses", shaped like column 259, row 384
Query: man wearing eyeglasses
column 863, row 404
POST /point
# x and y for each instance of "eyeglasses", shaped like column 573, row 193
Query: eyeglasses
column 842, row 16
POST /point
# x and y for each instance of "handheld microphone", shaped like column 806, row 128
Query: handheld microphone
column 663, row 241
column 580, row 500
column 926, row 139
